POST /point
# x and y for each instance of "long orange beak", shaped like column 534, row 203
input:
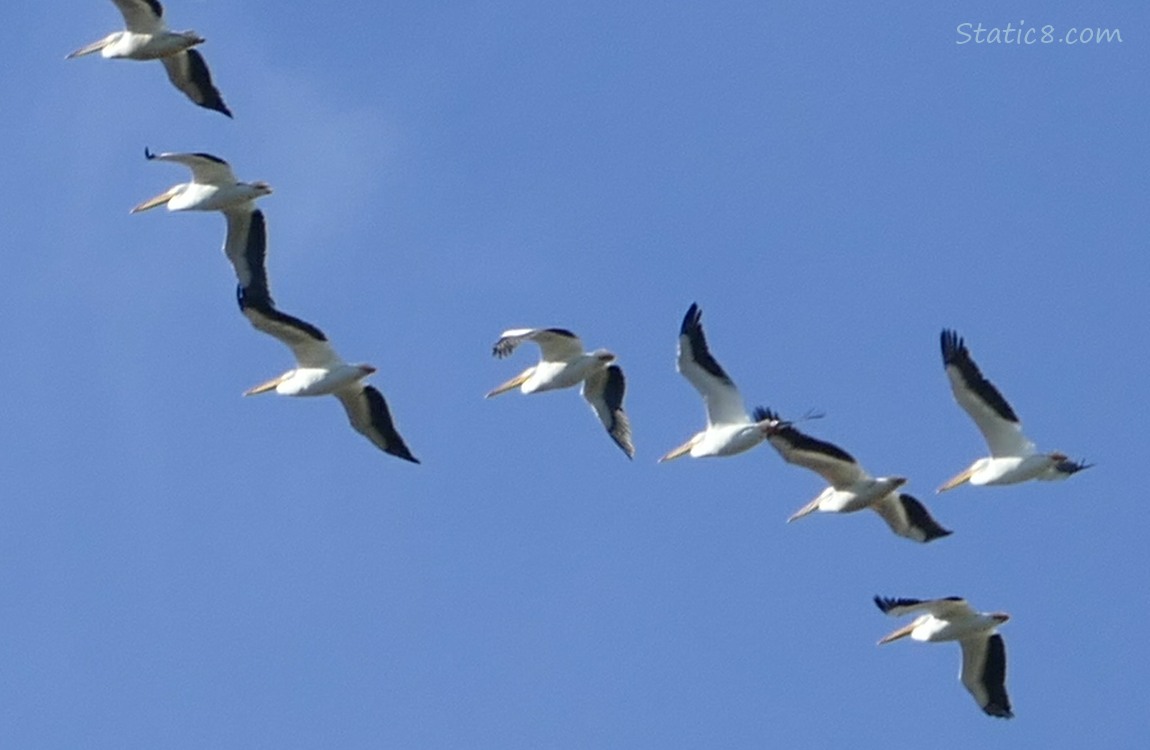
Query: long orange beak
column 956, row 481
column 902, row 632
column 265, row 387
column 159, row 200
column 93, row 47
column 681, row 450
column 513, row 383
column 806, row 510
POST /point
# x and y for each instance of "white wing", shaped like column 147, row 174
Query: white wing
column 949, row 608
column 829, row 461
column 909, row 518
column 142, row 16
column 721, row 397
column 206, row 169
column 604, row 391
column 555, row 344
column 984, row 673
column 995, row 419
column 189, row 73
column 308, row 343
column 368, row 413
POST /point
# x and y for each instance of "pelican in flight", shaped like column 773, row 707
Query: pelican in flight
column 563, row 364
column 983, row 651
column 214, row 188
column 1013, row 457
column 729, row 430
column 852, row 489
column 320, row 372
column 147, row 37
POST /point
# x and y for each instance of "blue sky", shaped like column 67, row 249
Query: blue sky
column 183, row 567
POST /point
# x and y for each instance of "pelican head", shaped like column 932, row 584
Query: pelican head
column 683, row 449
column 1001, row 617
column 516, row 381
column 192, row 38
column 260, row 189
column 604, row 356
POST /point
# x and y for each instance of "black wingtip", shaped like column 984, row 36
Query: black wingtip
column 921, row 519
column 955, row 354
column 216, row 104
column 998, row 712
column 887, row 603
column 691, row 319
column 762, row 413
column 1072, row 467
column 204, row 94
column 148, row 154
column 254, row 296
column 951, row 344
column 501, row 350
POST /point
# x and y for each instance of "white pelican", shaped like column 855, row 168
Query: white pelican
column 1013, row 457
column 852, row 489
column 983, row 651
column 320, row 371
column 729, row 429
column 146, row 37
column 214, row 188
column 563, row 364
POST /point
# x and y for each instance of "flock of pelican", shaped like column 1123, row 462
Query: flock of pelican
column 319, row 370
column 564, row 363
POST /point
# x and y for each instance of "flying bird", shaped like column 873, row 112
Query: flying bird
column 983, row 651
column 146, row 37
column 320, row 371
column 214, row 188
column 729, row 430
column 563, row 364
column 1013, row 457
column 852, row 488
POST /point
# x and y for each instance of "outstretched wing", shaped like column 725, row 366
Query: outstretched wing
column 206, row 169
column 246, row 247
column 977, row 396
column 189, row 73
column 604, row 391
column 829, row 461
column 907, row 517
column 308, row 343
column 368, row 413
column 947, row 608
column 984, row 673
column 142, row 16
column 721, row 397
column 555, row 344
